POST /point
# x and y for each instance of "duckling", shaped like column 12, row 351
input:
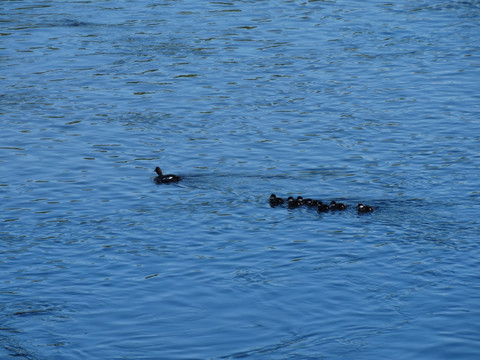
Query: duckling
column 300, row 201
column 292, row 203
column 364, row 208
column 321, row 207
column 309, row 202
column 275, row 201
column 337, row 206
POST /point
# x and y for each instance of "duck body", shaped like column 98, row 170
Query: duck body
column 300, row 201
column 364, row 208
column 312, row 202
column 322, row 208
column 165, row 179
column 308, row 202
column 337, row 206
column 275, row 201
column 293, row 203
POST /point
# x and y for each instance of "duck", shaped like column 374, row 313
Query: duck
column 275, row 201
column 293, row 203
column 364, row 208
column 312, row 202
column 300, row 201
column 337, row 206
column 165, row 179
column 309, row 202
column 321, row 207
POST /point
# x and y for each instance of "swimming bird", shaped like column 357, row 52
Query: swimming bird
column 293, row 203
column 364, row 208
column 321, row 207
column 309, row 202
column 337, row 206
column 275, row 201
column 300, row 201
column 165, row 179
column 312, row 202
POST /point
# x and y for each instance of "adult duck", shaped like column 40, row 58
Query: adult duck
column 165, row 179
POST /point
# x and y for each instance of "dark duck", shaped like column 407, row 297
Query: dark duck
column 300, row 201
column 165, row 179
column 364, row 208
column 275, row 201
column 293, row 203
column 337, row 206
column 321, row 207
column 312, row 203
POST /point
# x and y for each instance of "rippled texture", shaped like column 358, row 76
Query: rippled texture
column 368, row 101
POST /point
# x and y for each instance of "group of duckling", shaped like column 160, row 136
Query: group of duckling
column 293, row 203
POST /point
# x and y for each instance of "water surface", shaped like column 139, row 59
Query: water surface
column 359, row 101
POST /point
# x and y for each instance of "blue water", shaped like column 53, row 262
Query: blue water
column 362, row 101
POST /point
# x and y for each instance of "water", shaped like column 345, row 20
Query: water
column 368, row 102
